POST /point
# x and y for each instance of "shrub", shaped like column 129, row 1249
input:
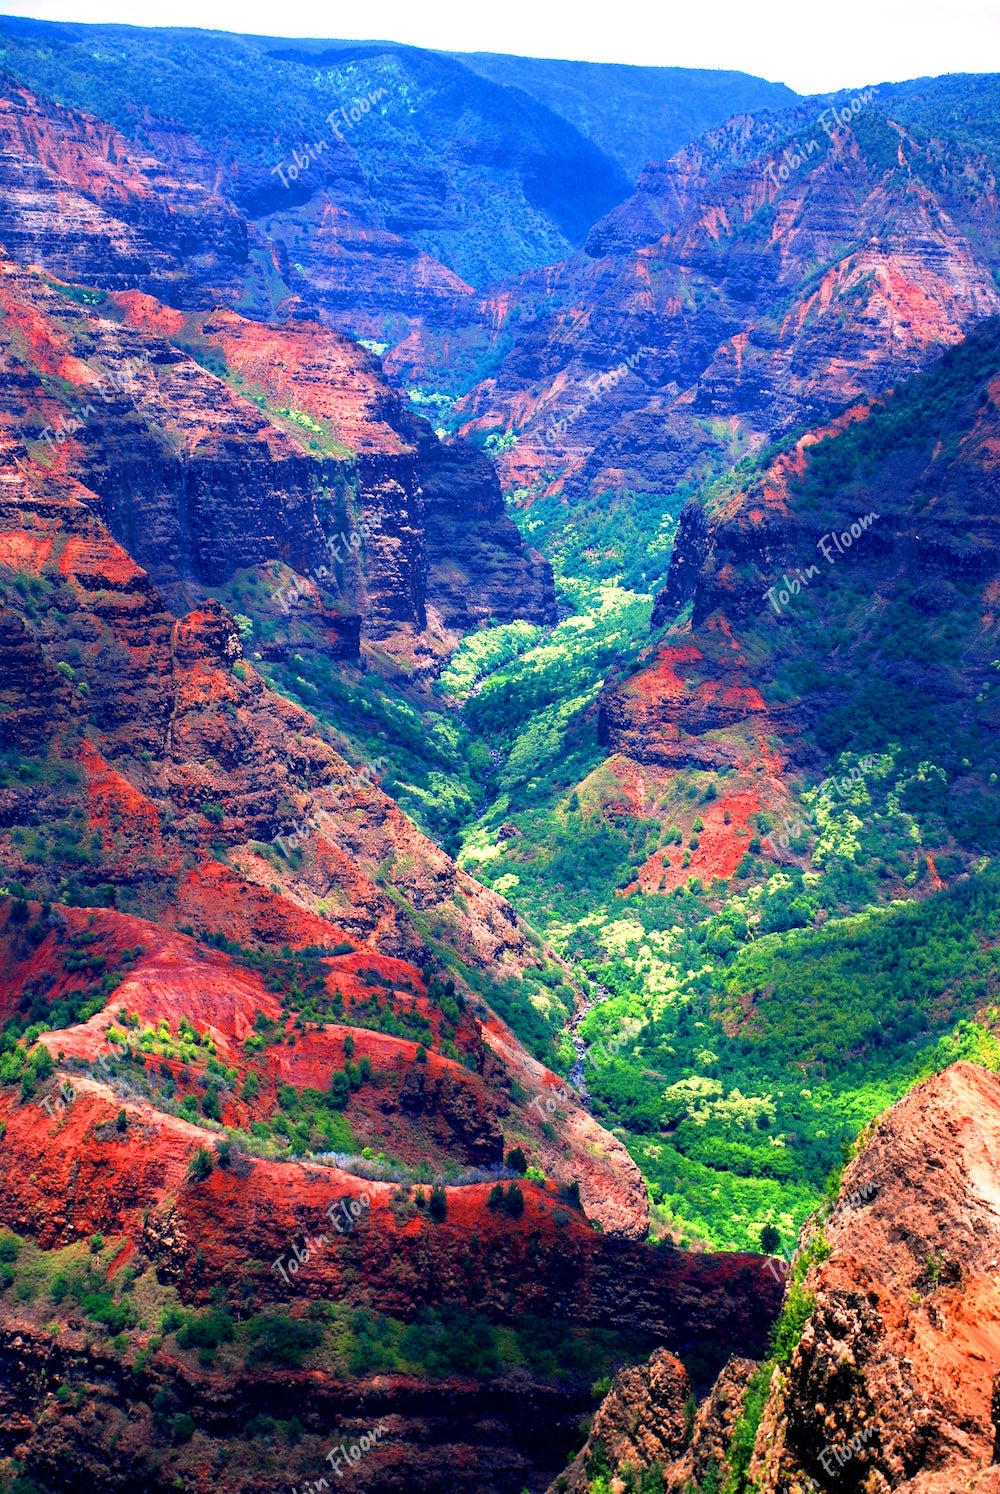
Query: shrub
column 41, row 1062
column 282, row 1339
column 514, row 1203
column 517, row 1161
column 102, row 1307
column 182, row 1427
column 10, row 1246
column 121, row 1121
column 438, row 1204
column 571, row 1195
column 205, row 1332
column 340, row 1089
column 201, row 1165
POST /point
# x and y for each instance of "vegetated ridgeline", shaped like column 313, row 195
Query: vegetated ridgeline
column 885, row 1362
column 867, row 635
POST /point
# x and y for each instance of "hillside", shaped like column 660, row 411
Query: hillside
column 806, row 738
column 482, row 178
column 634, row 114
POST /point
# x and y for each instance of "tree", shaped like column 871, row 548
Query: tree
column 438, row 1203
column 517, row 1161
column 121, row 1121
column 515, row 1201
column 770, row 1240
column 340, row 1089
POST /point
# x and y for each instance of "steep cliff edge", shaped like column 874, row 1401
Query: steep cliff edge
column 892, row 1383
column 719, row 307
column 92, row 206
column 217, row 445
column 225, row 443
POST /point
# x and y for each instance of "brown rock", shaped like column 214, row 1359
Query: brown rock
column 891, row 1386
column 640, row 1424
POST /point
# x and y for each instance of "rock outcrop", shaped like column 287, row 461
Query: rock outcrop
column 647, row 1426
column 280, row 447
column 891, row 1385
column 81, row 201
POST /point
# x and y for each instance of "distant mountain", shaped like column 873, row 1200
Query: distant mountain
column 481, row 177
column 635, row 114
column 722, row 303
column 446, row 179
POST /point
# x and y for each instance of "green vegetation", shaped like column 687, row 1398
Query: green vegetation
column 438, row 1343
column 756, row 1060
column 785, row 1335
column 201, row 1164
column 452, row 1340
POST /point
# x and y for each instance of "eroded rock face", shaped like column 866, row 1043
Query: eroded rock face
column 714, row 1424
column 891, row 1386
column 491, row 1439
column 800, row 552
column 478, row 566
column 101, row 1158
column 701, row 324
column 281, row 444
column 647, row 1423
column 639, row 1424
column 30, row 689
column 93, row 207
column 455, row 1115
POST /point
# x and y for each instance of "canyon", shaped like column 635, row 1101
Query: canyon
column 498, row 780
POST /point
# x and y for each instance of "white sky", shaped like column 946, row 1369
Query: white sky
column 813, row 47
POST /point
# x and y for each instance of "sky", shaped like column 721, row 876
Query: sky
column 814, row 48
